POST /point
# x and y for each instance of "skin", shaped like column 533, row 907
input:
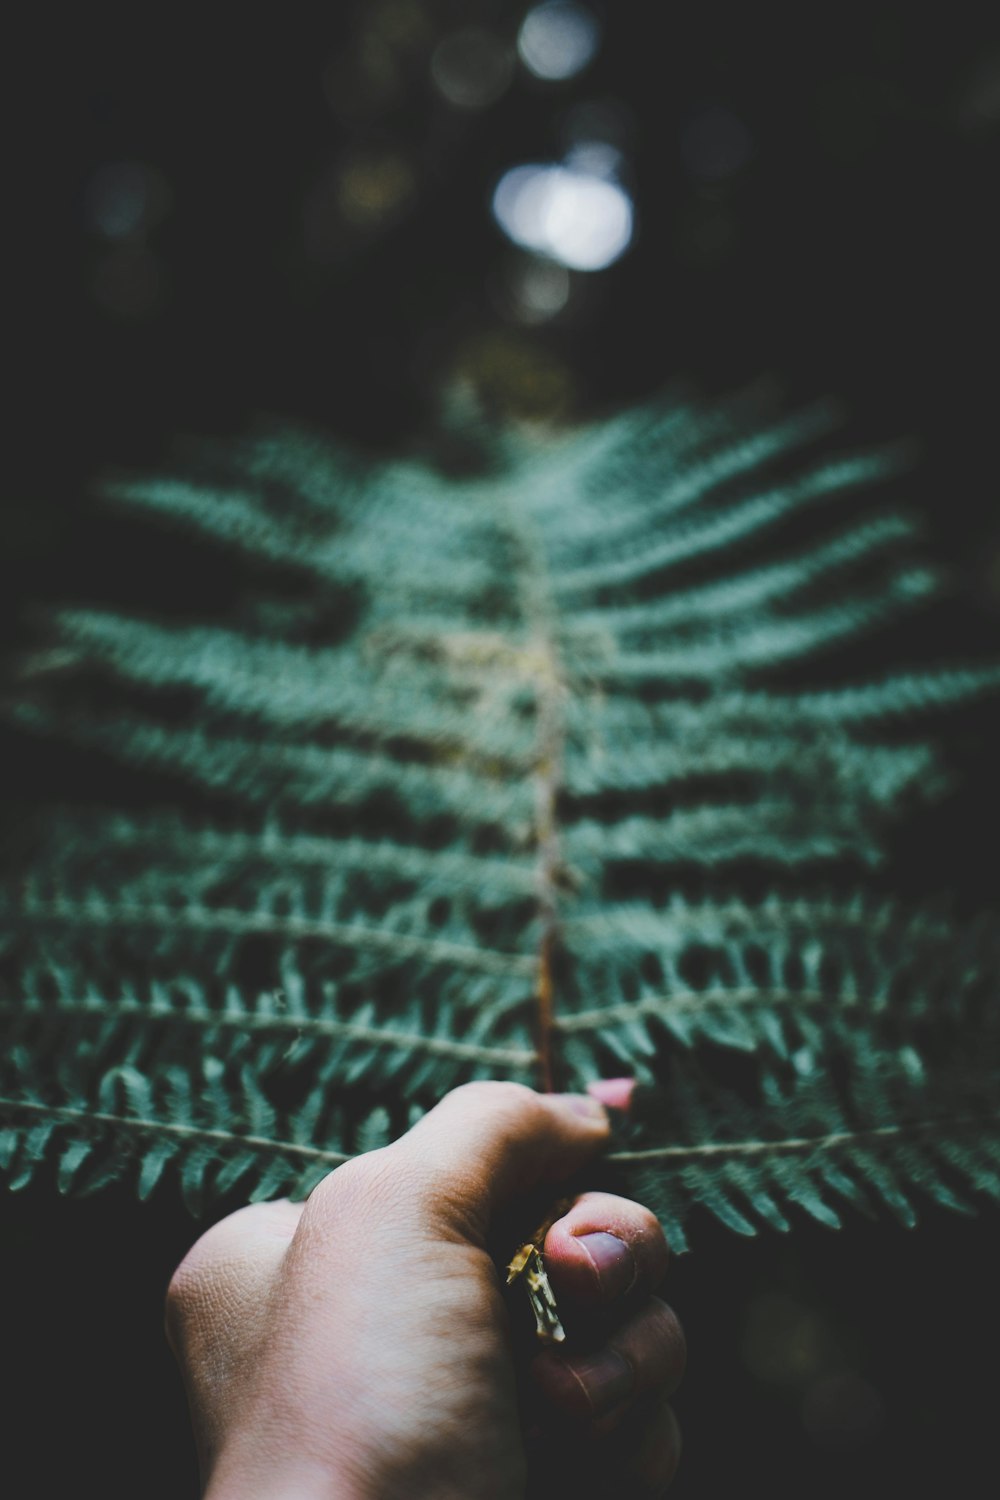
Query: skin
column 360, row 1345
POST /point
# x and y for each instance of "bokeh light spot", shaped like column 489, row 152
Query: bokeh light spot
column 533, row 289
column 370, row 189
column 472, row 68
column 510, row 374
column 373, row 187
column 580, row 220
column 125, row 198
column 557, row 40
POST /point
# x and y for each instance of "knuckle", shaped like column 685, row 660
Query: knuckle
column 184, row 1295
column 185, row 1286
column 349, row 1178
column 497, row 1106
column 362, row 1190
column 495, row 1094
column 196, row 1280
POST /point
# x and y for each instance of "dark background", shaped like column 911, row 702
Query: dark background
column 220, row 216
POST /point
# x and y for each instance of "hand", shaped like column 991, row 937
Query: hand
column 359, row 1345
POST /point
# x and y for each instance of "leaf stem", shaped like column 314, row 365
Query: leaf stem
column 544, row 669
column 793, row 1145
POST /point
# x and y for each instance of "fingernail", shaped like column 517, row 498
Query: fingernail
column 613, row 1261
column 582, row 1106
column 616, row 1093
column 607, row 1379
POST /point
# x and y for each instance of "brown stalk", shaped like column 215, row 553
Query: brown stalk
column 548, row 691
column 539, row 663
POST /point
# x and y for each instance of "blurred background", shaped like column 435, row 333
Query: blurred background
column 341, row 212
column 362, row 215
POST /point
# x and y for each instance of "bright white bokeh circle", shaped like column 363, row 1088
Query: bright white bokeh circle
column 577, row 218
column 557, row 40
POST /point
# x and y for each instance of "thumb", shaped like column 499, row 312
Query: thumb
column 485, row 1142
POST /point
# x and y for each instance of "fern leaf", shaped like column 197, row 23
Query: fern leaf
column 598, row 758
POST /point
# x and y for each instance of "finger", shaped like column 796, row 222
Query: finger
column 615, row 1093
column 605, row 1248
column 485, row 1142
column 597, row 1387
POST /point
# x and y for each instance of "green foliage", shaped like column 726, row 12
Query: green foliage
column 591, row 760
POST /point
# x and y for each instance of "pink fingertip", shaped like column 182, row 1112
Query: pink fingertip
column 614, row 1093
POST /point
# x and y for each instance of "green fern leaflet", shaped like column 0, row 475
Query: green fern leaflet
column 592, row 760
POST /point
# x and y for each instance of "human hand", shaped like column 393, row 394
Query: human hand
column 359, row 1346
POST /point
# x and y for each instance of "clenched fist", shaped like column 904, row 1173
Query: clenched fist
column 358, row 1346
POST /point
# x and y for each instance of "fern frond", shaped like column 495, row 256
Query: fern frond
column 762, row 644
column 737, row 523
column 744, row 591
column 212, row 1131
column 811, row 1150
column 552, row 769
column 720, row 833
column 203, row 854
column 294, row 775
column 632, row 764
column 691, row 476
